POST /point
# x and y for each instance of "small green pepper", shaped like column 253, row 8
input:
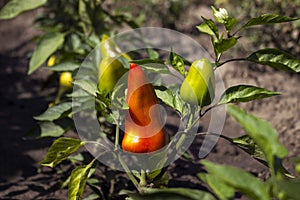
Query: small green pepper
column 199, row 85
column 110, row 71
column 110, row 68
column 109, row 48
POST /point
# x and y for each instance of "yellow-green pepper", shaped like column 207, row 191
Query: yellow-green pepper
column 198, row 86
column 110, row 69
column 110, row 49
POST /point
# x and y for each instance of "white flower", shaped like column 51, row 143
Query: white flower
column 221, row 14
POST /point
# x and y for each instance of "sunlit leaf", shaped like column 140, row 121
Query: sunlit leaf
column 65, row 66
column 262, row 133
column 147, row 61
column 245, row 93
column 47, row 45
column 177, row 62
column 224, row 44
column 78, row 181
column 170, row 98
column 247, row 143
column 152, row 53
column 87, row 85
column 218, row 186
column 276, row 59
column 16, row 7
column 55, row 112
column 171, row 194
column 204, row 28
column 50, row 129
column 61, row 149
column 268, row 19
column 209, row 27
column 238, row 179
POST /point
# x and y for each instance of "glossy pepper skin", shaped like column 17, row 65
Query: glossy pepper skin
column 144, row 128
column 110, row 49
column 110, row 69
column 198, row 86
column 65, row 80
column 51, row 61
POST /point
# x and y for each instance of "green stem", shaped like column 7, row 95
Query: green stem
column 125, row 167
column 209, row 108
column 117, row 138
column 231, row 60
column 217, row 135
column 129, row 174
column 143, row 181
column 97, row 143
column 60, row 92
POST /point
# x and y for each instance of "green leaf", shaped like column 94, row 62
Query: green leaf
column 119, row 97
column 92, row 197
column 85, row 20
column 204, row 28
column 248, row 144
column 289, row 189
column 50, row 129
column 65, row 66
column 268, row 19
column 16, row 7
column 218, row 186
column 152, row 53
column 165, row 95
column 83, row 11
column 171, row 194
column 78, row 93
column 78, row 181
column 238, row 179
column 60, row 150
column 156, row 67
column 87, row 85
column 73, row 44
column 262, row 133
column 209, row 27
column 231, row 22
column 276, row 59
column 55, row 112
column 177, row 62
column 224, row 44
column 147, row 61
column 170, row 98
column 245, row 93
column 47, row 45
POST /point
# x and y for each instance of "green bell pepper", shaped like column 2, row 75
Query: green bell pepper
column 198, row 86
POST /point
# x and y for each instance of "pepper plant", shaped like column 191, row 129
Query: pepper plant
column 222, row 181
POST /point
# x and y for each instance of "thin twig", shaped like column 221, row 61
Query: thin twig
column 231, row 60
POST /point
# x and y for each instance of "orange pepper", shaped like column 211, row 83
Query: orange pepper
column 144, row 128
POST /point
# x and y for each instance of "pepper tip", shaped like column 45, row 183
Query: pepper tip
column 133, row 65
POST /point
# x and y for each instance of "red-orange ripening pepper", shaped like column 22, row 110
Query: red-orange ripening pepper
column 144, row 128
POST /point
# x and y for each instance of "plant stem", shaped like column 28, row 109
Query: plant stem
column 208, row 109
column 231, row 60
column 125, row 167
column 129, row 174
column 117, row 137
column 143, row 181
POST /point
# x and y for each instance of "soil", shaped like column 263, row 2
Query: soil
column 22, row 97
